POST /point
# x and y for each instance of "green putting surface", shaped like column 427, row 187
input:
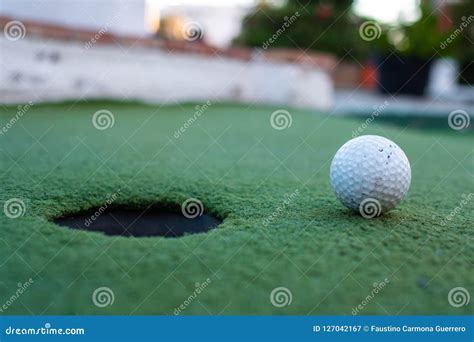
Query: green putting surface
column 283, row 226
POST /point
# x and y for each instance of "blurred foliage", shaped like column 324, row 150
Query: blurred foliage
column 463, row 13
column 421, row 39
column 331, row 26
column 327, row 26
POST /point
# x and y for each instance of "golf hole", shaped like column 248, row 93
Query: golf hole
column 139, row 223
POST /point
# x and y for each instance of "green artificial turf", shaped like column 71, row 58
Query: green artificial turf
column 243, row 170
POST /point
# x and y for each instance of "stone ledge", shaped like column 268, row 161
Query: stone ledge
column 324, row 61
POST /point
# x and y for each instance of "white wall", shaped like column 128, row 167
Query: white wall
column 33, row 70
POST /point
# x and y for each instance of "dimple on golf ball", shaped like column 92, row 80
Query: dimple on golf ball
column 370, row 174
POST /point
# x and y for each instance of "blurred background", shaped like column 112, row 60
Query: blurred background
column 348, row 57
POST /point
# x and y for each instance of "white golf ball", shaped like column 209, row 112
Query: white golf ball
column 370, row 174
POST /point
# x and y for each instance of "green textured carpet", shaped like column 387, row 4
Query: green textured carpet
column 283, row 227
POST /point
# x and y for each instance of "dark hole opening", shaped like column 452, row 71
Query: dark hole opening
column 139, row 223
